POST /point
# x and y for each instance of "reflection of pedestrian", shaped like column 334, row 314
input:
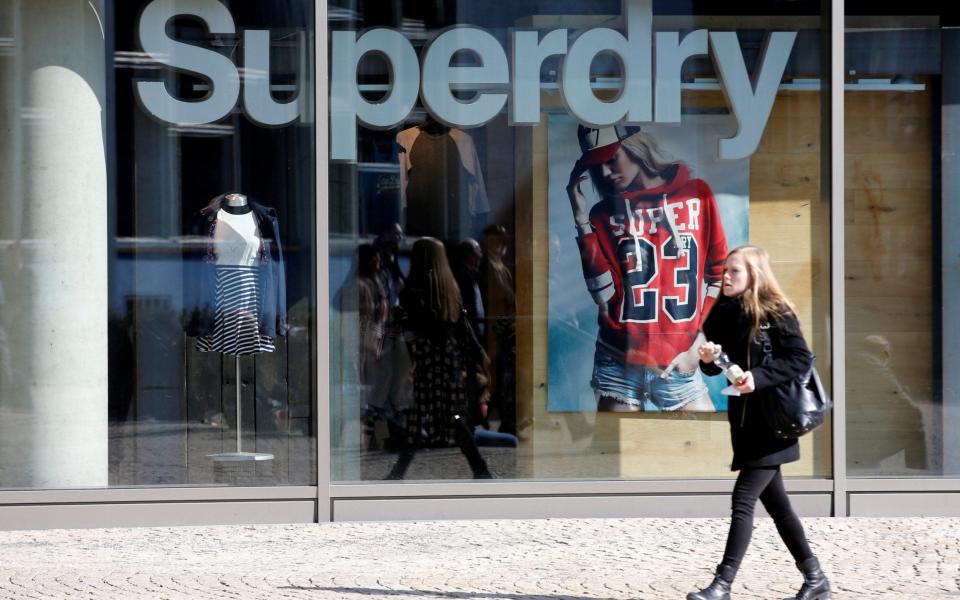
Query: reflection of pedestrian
column 388, row 243
column 441, row 345
column 466, row 270
column 500, row 302
column 652, row 250
column 753, row 301
column 373, row 309
column 892, row 430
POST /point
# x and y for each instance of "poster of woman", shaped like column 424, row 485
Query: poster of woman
column 649, row 238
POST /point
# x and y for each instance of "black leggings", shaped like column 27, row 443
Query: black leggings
column 465, row 440
column 765, row 483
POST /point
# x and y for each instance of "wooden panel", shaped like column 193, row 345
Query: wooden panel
column 797, row 107
column 912, row 313
column 791, row 173
column 890, row 310
column 885, row 207
column 907, row 170
column 886, row 105
column 530, row 158
column 878, row 244
column 794, row 137
column 894, row 278
column 886, row 133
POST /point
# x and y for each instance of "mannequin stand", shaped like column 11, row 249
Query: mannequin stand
column 239, row 455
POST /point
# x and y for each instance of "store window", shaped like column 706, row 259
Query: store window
column 157, row 252
column 499, row 306
column 902, row 125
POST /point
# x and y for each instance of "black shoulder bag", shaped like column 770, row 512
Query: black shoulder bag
column 795, row 407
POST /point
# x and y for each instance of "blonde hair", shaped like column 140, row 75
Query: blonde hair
column 430, row 271
column 763, row 300
column 644, row 150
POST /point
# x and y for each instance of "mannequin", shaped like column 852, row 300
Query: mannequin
column 237, row 251
column 237, row 245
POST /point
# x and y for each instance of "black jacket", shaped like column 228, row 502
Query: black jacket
column 271, row 278
column 754, row 444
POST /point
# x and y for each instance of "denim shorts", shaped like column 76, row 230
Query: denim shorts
column 642, row 388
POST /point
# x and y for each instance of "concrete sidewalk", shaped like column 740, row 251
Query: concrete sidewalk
column 579, row 559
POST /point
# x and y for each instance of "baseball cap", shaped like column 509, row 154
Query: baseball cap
column 600, row 144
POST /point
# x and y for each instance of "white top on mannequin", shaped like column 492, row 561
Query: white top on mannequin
column 236, row 237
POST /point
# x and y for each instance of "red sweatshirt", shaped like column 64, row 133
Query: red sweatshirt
column 654, row 259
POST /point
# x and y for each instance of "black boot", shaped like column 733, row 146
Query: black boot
column 719, row 589
column 815, row 585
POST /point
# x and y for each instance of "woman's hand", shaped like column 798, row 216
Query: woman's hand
column 686, row 361
column 746, row 384
column 578, row 202
column 709, row 351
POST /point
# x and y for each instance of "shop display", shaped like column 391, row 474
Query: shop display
column 245, row 269
column 441, row 185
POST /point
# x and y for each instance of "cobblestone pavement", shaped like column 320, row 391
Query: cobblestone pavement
column 578, row 559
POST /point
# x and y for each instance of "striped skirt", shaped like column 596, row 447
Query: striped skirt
column 236, row 328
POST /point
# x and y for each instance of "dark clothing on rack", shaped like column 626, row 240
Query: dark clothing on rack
column 765, row 484
column 437, row 191
column 271, row 277
column 754, row 443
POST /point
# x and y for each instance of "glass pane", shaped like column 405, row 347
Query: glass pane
column 901, row 245
column 452, row 149
column 130, row 283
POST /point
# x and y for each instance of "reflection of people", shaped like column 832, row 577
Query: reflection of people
column 383, row 364
column 441, row 344
column 652, row 250
column 466, row 270
column 372, row 304
column 388, row 242
column 752, row 300
column 893, row 430
column 500, row 301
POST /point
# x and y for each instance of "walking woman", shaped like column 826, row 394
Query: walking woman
column 442, row 347
column 750, row 302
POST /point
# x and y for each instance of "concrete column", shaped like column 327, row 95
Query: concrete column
column 53, row 414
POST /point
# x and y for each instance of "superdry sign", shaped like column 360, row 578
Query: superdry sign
column 650, row 89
